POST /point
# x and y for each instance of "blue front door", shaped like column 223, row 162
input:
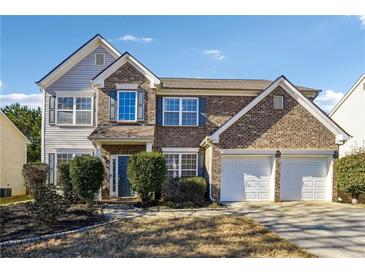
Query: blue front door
column 124, row 188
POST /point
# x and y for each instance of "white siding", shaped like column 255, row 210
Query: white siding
column 76, row 79
column 351, row 116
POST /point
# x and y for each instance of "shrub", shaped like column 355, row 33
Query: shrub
column 48, row 205
column 65, row 183
column 87, row 174
column 350, row 174
column 35, row 175
column 146, row 172
column 182, row 190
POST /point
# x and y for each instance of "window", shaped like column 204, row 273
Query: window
column 74, row 110
column 64, row 157
column 278, row 102
column 127, row 105
column 181, row 164
column 180, row 111
column 99, row 59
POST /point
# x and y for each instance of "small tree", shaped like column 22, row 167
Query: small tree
column 35, row 175
column 87, row 174
column 350, row 174
column 65, row 183
column 146, row 172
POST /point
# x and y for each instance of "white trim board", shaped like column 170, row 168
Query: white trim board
column 180, row 149
column 126, row 57
column 76, row 57
column 341, row 136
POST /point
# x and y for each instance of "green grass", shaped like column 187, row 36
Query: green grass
column 10, row 200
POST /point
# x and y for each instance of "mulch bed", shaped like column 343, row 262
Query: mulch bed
column 163, row 205
column 17, row 222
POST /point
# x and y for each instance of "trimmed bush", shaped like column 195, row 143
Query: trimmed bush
column 65, row 183
column 87, row 174
column 35, row 175
column 146, row 172
column 350, row 174
column 187, row 189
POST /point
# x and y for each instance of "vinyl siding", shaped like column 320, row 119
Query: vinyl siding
column 78, row 78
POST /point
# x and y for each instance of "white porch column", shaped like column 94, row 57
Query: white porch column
column 149, row 147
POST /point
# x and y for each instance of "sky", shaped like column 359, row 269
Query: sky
column 323, row 52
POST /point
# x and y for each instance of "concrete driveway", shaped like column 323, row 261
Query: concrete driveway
column 324, row 229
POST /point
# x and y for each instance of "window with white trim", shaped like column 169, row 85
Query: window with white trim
column 66, row 157
column 181, row 164
column 74, row 110
column 180, row 111
column 127, row 106
column 99, row 59
column 278, row 102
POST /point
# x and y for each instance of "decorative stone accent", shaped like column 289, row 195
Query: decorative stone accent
column 277, row 176
column 216, row 172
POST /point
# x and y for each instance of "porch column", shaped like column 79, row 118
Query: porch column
column 149, row 147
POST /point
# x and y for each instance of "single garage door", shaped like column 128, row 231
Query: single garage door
column 305, row 178
column 246, row 178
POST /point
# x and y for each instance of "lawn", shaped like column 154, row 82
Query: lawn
column 225, row 236
column 10, row 200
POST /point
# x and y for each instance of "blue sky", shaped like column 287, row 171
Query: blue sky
column 325, row 52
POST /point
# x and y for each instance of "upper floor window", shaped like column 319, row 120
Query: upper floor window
column 127, row 106
column 99, row 59
column 180, row 111
column 278, row 102
column 74, row 110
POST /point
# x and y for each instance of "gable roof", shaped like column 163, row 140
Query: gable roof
column 234, row 84
column 98, row 80
column 75, row 57
column 282, row 81
column 348, row 94
column 6, row 118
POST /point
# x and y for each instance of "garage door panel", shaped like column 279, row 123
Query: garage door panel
column 246, row 178
column 304, row 178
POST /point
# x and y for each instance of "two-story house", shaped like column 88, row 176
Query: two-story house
column 251, row 139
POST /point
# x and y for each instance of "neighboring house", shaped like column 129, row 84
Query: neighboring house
column 251, row 139
column 350, row 114
column 13, row 155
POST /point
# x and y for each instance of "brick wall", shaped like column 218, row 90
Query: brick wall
column 126, row 74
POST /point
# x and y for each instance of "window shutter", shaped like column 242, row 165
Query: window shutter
column 51, row 165
column 201, row 163
column 202, row 114
column 113, row 105
column 159, row 110
column 140, row 105
column 51, row 116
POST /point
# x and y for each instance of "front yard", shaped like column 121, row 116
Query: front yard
column 224, row 236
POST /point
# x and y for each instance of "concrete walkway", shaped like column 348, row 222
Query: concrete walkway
column 324, row 229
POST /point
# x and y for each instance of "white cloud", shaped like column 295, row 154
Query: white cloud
column 129, row 37
column 32, row 100
column 328, row 99
column 214, row 53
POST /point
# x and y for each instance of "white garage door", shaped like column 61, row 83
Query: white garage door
column 304, row 178
column 246, row 178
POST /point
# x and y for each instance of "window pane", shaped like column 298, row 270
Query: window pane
column 189, row 105
column 171, row 118
column 65, row 103
column 171, row 104
column 64, row 117
column 189, row 119
column 83, row 103
column 172, row 173
column 172, row 161
column 83, row 117
column 127, row 106
column 188, row 173
column 188, row 161
column 64, row 157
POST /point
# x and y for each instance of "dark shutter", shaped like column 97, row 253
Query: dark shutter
column 201, row 163
column 113, row 105
column 52, row 103
column 202, row 114
column 159, row 111
column 51, row 165
column 140, row 105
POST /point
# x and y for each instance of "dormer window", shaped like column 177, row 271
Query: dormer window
column 99, row 59
column 278, row 102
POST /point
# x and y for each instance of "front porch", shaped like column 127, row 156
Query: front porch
column 114, row 144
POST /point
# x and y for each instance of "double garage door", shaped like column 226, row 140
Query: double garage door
column 251, row 178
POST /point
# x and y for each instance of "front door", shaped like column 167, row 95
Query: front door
column 124, row 188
